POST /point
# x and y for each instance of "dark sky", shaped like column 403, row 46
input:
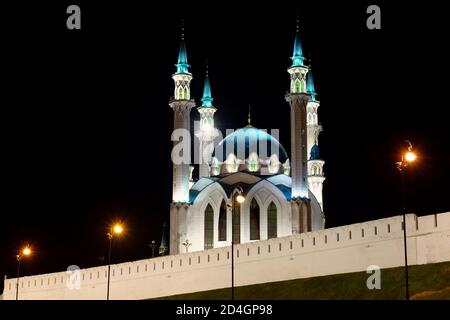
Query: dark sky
column 86, row 123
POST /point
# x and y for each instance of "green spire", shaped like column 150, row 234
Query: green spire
column 310, row 85
column 182, row 65
column 163, row 246
column 297, row 58
column 207, row 99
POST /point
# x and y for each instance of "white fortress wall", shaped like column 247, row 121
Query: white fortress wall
column 343, row 249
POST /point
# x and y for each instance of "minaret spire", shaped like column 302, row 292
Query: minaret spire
column 207, row 98
column 310, row 85
column 182, row 105
column 207, row 132
column 298, row 100
column 182, row 64
column 163, row 246
column 249, row 119
column 297, row 57
column 316, row 175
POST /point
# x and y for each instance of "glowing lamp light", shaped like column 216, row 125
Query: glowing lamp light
column 117, row 229
column 240, row 198
column 26, row 251
column 410, row 156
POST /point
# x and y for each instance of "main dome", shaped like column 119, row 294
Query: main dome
column 245, row 141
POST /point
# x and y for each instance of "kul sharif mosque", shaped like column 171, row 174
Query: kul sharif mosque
column 249, row 188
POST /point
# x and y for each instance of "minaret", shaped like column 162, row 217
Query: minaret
column 312, row 118
column 182, row 104
column 207, row 131
column 298, row 99
column 163, row 246
column 315, row 164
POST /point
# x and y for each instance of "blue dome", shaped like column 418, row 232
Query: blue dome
column 315, row 154
column 244, row 141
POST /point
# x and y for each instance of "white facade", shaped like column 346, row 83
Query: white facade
column 243, row 164
column 343, row 249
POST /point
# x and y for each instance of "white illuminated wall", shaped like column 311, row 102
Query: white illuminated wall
column 344, row 249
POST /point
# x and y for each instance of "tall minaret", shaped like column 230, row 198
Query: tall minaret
column 182, row 104
column 207, row 131
column 315, row 164
column 298, row 99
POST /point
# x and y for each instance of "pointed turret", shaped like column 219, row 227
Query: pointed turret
column 310, row 85
column 182, row 65
column 207, row 132
column 182, row 104
column 207, row 98
column 163, row 247
column 297, row 57
column 298, row 99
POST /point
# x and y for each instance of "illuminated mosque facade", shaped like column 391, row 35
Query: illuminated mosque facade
column 248, row 188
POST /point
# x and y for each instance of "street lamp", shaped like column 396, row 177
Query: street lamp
column 240, row 199
column 26, row 251
column 407, row 158
column 116, row 229
column 153, row 246
column 187, row 244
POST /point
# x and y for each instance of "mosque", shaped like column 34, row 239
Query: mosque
column 248, row 188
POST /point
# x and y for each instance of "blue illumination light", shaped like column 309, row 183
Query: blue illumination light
column 182, row 65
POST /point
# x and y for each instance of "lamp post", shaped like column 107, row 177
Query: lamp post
column 116, row 229
column 186, row 245
column 407, row 157
column 26, row 251
column 153, row 246
column 239, row 198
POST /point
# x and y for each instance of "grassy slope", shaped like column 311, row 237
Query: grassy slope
column 430, row 281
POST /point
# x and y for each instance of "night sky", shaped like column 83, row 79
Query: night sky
column 86, row 123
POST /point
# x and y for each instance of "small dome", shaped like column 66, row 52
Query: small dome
column 315, row 154
column 245, row 141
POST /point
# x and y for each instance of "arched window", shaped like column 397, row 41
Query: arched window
column 254, row 220
column 181, row 92
column 232, row 165
column 209, row 227
column 253, row 162
column 186, row 93
column 272, row 221
column 302, row 86
column 236, row 221
column 274, row 164
column 297, row 86
column 223, row 222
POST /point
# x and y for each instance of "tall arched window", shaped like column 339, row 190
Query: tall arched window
column 297, row 86
column 179, row 93
column 223, row 222
column 302, row 86
column 272, row 221
column 254, row 220
column 209, row 227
